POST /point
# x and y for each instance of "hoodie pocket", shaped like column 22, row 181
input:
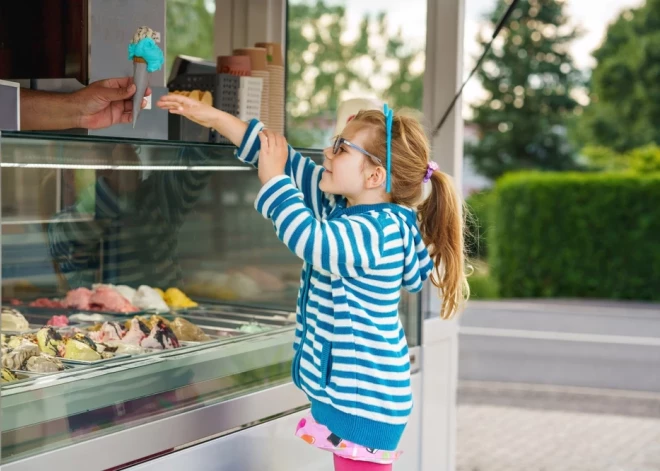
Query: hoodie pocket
column 326, row 362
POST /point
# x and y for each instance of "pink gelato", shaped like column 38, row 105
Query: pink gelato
column 161, row 338
column 45, row 302
column 134, row 336
column 110, row 332
column 78, row 298
column 105, row 298
column 58, row 321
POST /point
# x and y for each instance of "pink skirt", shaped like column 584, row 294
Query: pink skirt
column 319, row 436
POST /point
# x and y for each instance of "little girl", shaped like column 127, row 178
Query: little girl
column 354, row 223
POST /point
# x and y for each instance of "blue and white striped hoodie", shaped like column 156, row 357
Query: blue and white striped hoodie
column 351, row 356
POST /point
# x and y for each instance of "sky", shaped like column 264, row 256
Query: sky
column 592, row 16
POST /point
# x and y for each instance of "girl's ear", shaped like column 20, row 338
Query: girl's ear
column 375, row 177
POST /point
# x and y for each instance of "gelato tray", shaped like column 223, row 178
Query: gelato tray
column 230, row 324
column 33, row 328
column 110, row 299
column 213, row 308
column 119, row 356
column 10, row 378
column 67, row 311
column 32, row 374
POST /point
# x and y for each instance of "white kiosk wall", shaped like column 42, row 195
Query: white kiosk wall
column 443, row 77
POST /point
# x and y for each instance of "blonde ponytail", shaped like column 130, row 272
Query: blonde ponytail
column 441, row 225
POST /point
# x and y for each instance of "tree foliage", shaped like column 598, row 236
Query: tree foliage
column 625, row 97
column 529, row 79
column 326, row 64
column 189, row 30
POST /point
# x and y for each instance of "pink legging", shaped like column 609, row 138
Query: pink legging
column 344, row 464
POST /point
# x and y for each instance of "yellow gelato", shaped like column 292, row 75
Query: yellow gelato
column 175, row 298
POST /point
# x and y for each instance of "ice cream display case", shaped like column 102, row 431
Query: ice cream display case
column 146, row 305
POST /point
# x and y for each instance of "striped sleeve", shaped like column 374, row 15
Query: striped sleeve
column 248, row 151
column 348, row 247
column 74, row 236
column 305, row 174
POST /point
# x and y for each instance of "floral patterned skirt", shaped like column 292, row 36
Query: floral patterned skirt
column 319, row 436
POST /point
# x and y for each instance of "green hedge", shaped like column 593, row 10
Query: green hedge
column 478, row 223
column 482, row 286
column 640, row 160
column 577, row 235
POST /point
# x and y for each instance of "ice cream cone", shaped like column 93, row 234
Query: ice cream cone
column 147, row 57
column 141, row 81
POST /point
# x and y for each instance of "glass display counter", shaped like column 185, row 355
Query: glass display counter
column 109, row 239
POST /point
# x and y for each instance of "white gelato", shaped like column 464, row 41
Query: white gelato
column 127, row 292
column 82, row 317
column 13, row 321
column 149, row 299
column 144, row 32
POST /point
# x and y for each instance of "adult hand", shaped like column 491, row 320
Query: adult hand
column 105, row 103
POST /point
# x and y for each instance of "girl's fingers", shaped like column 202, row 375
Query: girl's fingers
column 264, row 141
column 269, row 136
column 172, row 97
column 174, row 100
column 167, row 104
column 171, row 107
column 273, row 138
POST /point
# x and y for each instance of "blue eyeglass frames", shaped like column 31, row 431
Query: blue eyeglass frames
column 340, row 140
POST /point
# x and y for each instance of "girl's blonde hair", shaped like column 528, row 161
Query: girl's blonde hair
column 441, row 215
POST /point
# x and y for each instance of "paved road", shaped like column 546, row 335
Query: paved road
column 586, row 344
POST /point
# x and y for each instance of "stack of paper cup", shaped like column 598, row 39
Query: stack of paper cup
column 276, row 102
column 249, row 98
column 259, row 69
column 234, row 65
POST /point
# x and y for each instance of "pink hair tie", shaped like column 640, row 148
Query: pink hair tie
column 432, row 167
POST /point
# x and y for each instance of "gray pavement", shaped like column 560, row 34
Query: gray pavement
column 513, row 427
column 559, row 386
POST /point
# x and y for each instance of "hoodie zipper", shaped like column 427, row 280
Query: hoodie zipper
column 303, row 316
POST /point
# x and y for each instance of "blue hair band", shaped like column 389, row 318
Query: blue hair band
column 388, row 128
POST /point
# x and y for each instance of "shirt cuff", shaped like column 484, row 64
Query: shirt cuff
column 248, row 151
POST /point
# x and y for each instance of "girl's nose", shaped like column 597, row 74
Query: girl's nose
column 327, row 153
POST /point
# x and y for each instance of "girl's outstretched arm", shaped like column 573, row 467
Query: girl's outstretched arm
column 303, row 171
column 229, row 126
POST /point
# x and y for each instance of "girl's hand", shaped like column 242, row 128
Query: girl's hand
column 272, row 156
column 192, row 109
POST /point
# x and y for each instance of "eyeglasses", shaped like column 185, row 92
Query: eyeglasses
column 340, row 140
